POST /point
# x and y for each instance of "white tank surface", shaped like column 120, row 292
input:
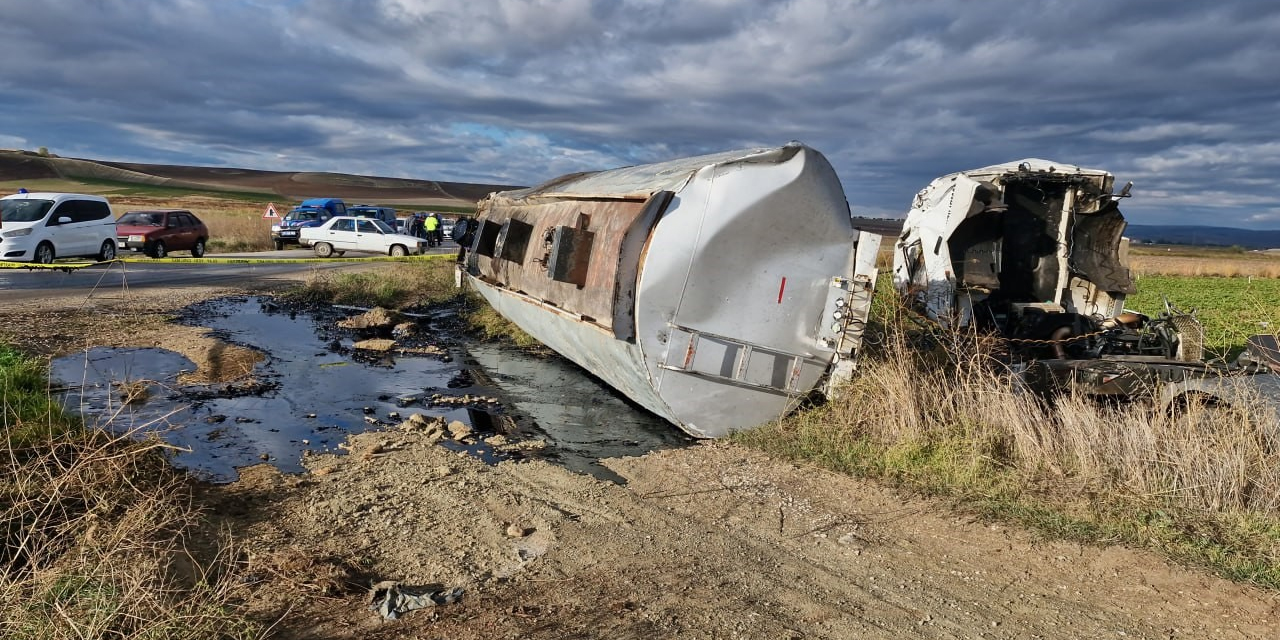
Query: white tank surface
column 714, row 291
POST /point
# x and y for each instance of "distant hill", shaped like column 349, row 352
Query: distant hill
column 291, row 185
column 1204, row 236
column 1143, row 233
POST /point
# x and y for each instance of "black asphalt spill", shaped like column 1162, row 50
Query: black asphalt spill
column 312, row 390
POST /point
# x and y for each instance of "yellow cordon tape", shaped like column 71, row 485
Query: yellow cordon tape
column 72, row 266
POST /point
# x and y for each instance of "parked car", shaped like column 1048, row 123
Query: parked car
column 385, row 214
column 347, row 233
column 41, row 227
column 157, row 232
column 311, row 213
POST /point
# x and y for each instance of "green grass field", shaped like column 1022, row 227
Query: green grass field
column 1231, row 309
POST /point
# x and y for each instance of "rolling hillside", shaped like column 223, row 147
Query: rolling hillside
column 288, row 185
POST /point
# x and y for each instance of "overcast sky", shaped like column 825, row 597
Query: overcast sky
column 1182, row 97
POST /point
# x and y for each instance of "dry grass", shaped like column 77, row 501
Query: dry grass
column 1203, row 261
column 401, row 285
column 95, row 529
column 1202, row 484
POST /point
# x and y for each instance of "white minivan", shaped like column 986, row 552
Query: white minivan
column 41, row 227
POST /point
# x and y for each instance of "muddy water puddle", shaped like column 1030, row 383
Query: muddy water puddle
column 312, row 389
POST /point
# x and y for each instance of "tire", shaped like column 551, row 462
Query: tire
column 279, row 245
column 107, row 252
column 43, row 254
column 323, row 249
column 398, row 251
column 197, row 249
column 339, row 253
column 158, row 250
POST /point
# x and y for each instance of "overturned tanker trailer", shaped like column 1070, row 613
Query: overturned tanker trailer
column 713, row 291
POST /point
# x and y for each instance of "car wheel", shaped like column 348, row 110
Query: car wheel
column 108, row 251
column 158, row 249
column 43, row 254
column 323, row 249
column 339, row 253
column 197, row 249
column 279, row 246
column 398, row 251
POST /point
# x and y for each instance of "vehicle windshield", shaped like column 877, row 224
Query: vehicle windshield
column 303, row 214
column 142, row 219
column 382, row 226
column 24, row 210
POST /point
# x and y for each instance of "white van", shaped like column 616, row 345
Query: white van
column 41, row 227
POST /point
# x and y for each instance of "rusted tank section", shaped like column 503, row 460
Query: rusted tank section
column 714, row 291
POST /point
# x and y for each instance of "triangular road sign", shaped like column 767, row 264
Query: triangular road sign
column 271, row 211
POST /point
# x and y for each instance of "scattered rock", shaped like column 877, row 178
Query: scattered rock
column 516, row 531
column 375, row 318
column 375, row 344
column 217, row 418
column 459, row 430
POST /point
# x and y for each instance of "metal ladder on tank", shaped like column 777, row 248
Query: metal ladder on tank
column 738, row 370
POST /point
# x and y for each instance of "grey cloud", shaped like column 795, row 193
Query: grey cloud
column 1177, row 96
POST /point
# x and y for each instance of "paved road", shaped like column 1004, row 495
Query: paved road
column 21, row 284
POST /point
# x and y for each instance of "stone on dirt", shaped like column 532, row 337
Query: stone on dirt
column 375, row 344
column 375, row 318
column 459, row 429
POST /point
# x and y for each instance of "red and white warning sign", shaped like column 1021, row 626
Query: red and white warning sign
column 271, row 211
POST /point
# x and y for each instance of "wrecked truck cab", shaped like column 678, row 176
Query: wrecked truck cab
column 1007, row 246
column 671, row 283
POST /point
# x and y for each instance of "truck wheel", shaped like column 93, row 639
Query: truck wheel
column 323, row 249
column 398, row 251
column 279, row 245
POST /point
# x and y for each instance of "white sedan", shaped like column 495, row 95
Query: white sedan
column 345, row 233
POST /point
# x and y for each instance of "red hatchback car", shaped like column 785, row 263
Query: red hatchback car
column 160, row 231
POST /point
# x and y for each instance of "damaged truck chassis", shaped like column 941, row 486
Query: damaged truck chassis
column 1033, row 252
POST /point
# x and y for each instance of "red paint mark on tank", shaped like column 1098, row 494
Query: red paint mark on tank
column 781, row 288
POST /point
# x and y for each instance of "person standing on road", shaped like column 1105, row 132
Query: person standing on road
column 432, row 223
column 439, row 229
column 415, row 225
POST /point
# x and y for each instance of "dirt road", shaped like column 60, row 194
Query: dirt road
column 713, row 541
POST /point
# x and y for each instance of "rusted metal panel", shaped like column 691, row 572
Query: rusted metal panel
column 527, row 271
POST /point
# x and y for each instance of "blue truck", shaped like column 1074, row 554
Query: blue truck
column 312, row 212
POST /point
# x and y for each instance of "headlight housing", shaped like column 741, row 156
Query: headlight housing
column 275, row 227
column 17, row 233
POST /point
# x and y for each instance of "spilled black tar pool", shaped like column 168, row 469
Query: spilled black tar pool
column 312, row 390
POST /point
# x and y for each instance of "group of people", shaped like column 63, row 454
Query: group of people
column 428, row 226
